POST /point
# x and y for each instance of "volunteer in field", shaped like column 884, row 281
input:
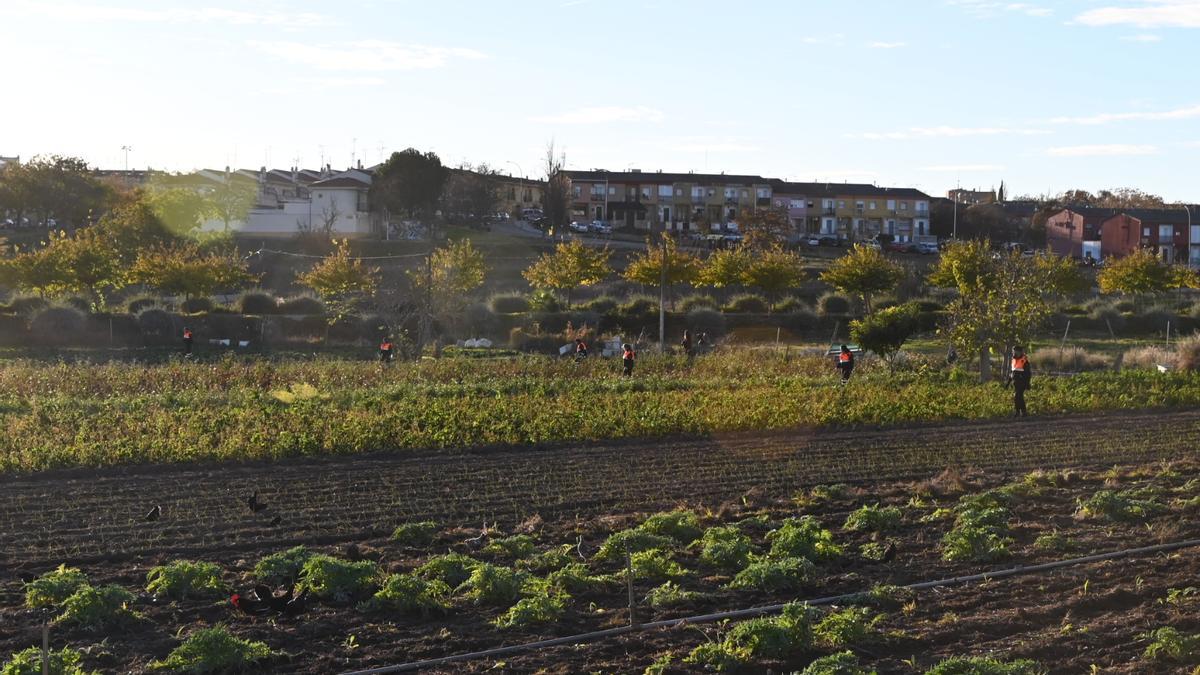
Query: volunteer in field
column 628, row 356
column 386, row 350
column 1020, row 375
column 845, row 363
column 187, row 342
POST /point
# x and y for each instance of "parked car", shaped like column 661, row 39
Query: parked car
column 577, row 226
column 600, row 227
column 812, row 240
column 828, row 240
column 927, row 248
column 901, row 247
column 871, row 243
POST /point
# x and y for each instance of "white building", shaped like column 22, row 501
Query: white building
column 292, row 202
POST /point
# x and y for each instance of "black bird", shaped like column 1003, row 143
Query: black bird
column 254, row 504
column 889, row 552
column 276, row 520
column 276, row 601
column 154, row 514
column 297, row 605
column 248, row 605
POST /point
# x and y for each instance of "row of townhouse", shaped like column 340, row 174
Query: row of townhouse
column 695, row 202
column 1083, row 232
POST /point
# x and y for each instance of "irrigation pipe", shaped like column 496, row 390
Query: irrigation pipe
column 771, row 609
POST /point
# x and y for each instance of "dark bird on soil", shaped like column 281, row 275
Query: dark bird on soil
column 254, row 504
column 276, row 520
column 889, row 552
column 276, row 601
column 154, row 514
column 248, row 605
column 297, row 605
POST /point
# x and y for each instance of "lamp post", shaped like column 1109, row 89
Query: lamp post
column 1189, row 232
column 126, row 149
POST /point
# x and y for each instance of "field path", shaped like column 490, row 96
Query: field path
column 79, row 516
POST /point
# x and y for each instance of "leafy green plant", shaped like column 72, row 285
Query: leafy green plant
column 1121, row 507
column 850, row 627
column 885, row 596
column 97, row 607
column 803, row 538
column 51, row 588
column 214, row 650
column 725, row 548
column 539, row 608
column 872, row 550
column 493, row 585
column 415, row 534
column 661, row 664
column 29, row 662
column 550, row 560
column 281, row 568
column 820, row 494
column 975, row 543
column 575, row 578
column 183, row 579
column 682, row 526
column 1054, row 541
column 775, row 574
column 985, row 665
column 634, row 540
column 718, row 656
column 873, row 518
column 451, row 569
column 410, row 594
column 655, row 565
column 1168, row 644
column 1180, row 596
column 670, row 594
column 778, row 637
column 842, row 663
column 330, row 578
column 515, row 547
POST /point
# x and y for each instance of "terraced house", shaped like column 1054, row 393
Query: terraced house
column 685, row 202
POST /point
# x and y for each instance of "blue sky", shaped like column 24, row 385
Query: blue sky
column 1043, row 95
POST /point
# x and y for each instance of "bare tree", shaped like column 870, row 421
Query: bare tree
column 556, row 198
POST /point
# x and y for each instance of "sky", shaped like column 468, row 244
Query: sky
column 1045, row 96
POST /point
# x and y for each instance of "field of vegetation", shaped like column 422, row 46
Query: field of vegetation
column 62, row 415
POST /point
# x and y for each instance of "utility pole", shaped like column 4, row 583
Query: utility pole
column 126, row 148
column 957, row 187
column 662, row 295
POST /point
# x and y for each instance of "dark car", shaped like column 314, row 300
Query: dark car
column 829, row 240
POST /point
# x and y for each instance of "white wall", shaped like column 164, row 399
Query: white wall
column 295, row 213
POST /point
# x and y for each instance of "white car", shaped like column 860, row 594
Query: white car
column 927, row 248
column 600, row 227
column 578, row 226
column 813, row 240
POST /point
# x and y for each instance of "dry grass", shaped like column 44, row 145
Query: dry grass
column 1070, row 360
column 1148, row 358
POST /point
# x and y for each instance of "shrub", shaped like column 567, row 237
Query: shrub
column 982, row 665
column 976, row 543
column 774, row 574
column 1187, row 354
column 95, row 608
column 636, row 312
column 516, row 547
column 873, row 519
column 1168, row 644
column 1124, row 506
column 493, row 585
column 137, row 304
column 415, row 534
column 282, row 568
column 196, row 305
column 724, row 548
column 302, row 305
column 257, row 302
column 330, row 578
column 509, row 303
column 451, row 569
column 29, row 662
column 655, row 565
column 791, row 304
column 538, row 609
column 781, row 637
column 849, row 627
column 1125, row 305
column 842, row 663
column 602, row 305
column 183, row 579
column 478, row 319
column 929, row 304
column 698, row 302
column 799, row 320
column 80, row 303
column 1108, row 317
column 575, row 578
column 1148, row 358
column 635, row 540
column 803, row 538
column 748, row 303
column 705, row 320
column 27, row 305
column 50, row 589
column 56, row 325
column 157, row 323
column 1072, row 360
column 543, row 300
column 409, row 594
column 670, row 594
column 682, row 526
column 833, row 304
column 214, row 650
column 551, row 559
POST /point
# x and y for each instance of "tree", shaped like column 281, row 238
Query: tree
column 774, row 270
column 726, row 267
column 764, row 228
column 133, row 227
column 1141, row 272
column 341, row 281
column 1001, row 194
column 1002, row 299
column 180, row 209
column 555, row 198
column 85, row 262
column 55, row 187
column 863, row 272
column 571, row 265
column 451, row 274
column 183, row 269
column 647, row 268
column 471, row 192
column 232, row 200
column 410, row 183
column 886, row 331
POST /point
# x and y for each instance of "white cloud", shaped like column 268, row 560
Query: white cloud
column 986, row 9
column 1147, row 14
column 1142, row 37
column 946, row 132
column 1187, row 112
column 603, row 115
column 97, row 13
column 1111, row 150
column 366, row 55
column 963, row 168
column 887, row 45
column 835, row 39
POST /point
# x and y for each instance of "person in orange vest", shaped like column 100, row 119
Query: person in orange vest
column 386, row 350
column 1020, row 375
column 580, row 350
column 628, row 356
column 187, row 342
column 686, row 343
column 845, row 363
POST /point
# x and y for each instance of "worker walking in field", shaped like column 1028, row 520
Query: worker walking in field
column 628, row 356
column 686, row 344
column 845, row 363
column 581, row 350
column 187, row 342
column 386, row 350
column 1020, row 375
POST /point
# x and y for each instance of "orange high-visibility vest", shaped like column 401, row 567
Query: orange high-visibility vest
column 187, row 334
column 1020, row 364
column 845, row 357
column 629, row 355
column 386, row 347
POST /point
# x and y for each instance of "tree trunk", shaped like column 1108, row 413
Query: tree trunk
column 985, row 364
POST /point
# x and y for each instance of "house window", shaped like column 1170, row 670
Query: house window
column 841, row 204
column 764, row 193
column 827, row 203
column 576, row 191
column 903, row 206
column 891, row 205
column 678, row 192
column 612, row 191
column 664, row 191
column 645, row 193
column 872, row 206
column 745, row 194
column 1145, row 232
column 711, row 192
column 1166, row 232
column 730, row 193
column 697, row 192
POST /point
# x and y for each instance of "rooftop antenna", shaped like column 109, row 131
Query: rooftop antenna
column 322, row 148
column 353, row 151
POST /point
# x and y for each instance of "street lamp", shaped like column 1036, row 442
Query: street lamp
column 126, row 148
column 519, row 169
